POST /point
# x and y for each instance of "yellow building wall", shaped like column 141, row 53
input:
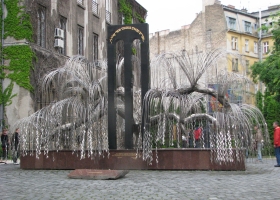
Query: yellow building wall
column 249, row 88
column 270, row 43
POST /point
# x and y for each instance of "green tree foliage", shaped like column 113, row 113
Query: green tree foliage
column 126, row 10
column 20, row 57
column 6, row 97
column 259, row 100
column 268, row 70
column 17, row 22
column 271, row 112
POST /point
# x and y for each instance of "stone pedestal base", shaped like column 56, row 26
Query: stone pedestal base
column 168, row 159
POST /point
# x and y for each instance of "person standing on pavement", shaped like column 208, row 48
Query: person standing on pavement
column 259, row 140
column 5, row 143
column 197, row 136
column 15, row 142
column 277, row 142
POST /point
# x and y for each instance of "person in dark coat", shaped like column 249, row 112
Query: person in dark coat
column 15, row 142
column 5, row 143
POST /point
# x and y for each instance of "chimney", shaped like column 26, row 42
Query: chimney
column 273, row 7
column 185, row 27
column 231, row 6
column 218, row 2
column 207, row 3
column 244, row 10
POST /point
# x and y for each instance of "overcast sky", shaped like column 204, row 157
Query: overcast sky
column 172, row 14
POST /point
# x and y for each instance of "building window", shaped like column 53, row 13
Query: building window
column 208, row 39
column 108, row 11
column 62, row 25
column 255, row 47
column 264, row 30
column 94, row 7
column 95, row 47
column 247, row 87
column 265, row 47
column 234, row 43
column 247, row 67
column 123, row 18
column 247, row 26
column 80, row 2
column 41, row 31
column 80, row 40
column 235, row 64
column 247, row 45
column 232, row 23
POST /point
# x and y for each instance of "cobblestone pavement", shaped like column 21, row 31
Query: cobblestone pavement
column 259, row 181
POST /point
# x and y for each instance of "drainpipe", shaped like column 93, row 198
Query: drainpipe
column 260, row 44
column 2, row 63
column 260, row 35
column 158, row 42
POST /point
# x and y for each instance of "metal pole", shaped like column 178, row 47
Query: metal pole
column 260, row 44
column 2, row 62
column 260, row 34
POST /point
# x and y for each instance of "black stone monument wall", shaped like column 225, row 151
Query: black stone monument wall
column 126, row 33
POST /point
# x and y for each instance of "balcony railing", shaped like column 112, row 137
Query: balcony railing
column 108, row 16
column 81, row 2
column 94, row 7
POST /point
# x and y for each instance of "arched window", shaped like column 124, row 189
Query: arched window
column 62, row 25
column 41, row 29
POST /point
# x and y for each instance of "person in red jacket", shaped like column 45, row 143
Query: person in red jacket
column 277, row 142
column 197, row 135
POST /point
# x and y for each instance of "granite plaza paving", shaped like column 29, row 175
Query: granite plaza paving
column 259, row 181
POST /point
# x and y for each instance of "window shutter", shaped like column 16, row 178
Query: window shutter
column 227, row 18
column 251, row 28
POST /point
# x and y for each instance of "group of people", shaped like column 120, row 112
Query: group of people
column 258, row 140
column 196, row 134
column 6, row 143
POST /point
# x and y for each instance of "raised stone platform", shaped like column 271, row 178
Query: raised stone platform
column 97, row 174
column 168, row 159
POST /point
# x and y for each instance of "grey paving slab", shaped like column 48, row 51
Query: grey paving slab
column 259, row 181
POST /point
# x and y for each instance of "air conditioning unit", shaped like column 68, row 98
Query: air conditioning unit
column 97, row 64
column 59, row 43
column 59, row 33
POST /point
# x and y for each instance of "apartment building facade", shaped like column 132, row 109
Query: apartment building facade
column 225, row 27
column 61, row 29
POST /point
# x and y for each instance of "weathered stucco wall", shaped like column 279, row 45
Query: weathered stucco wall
column 22, row 104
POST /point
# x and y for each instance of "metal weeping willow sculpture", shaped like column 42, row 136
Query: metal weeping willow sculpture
column 187, row 91
column 77, row 120
column 180, row 100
